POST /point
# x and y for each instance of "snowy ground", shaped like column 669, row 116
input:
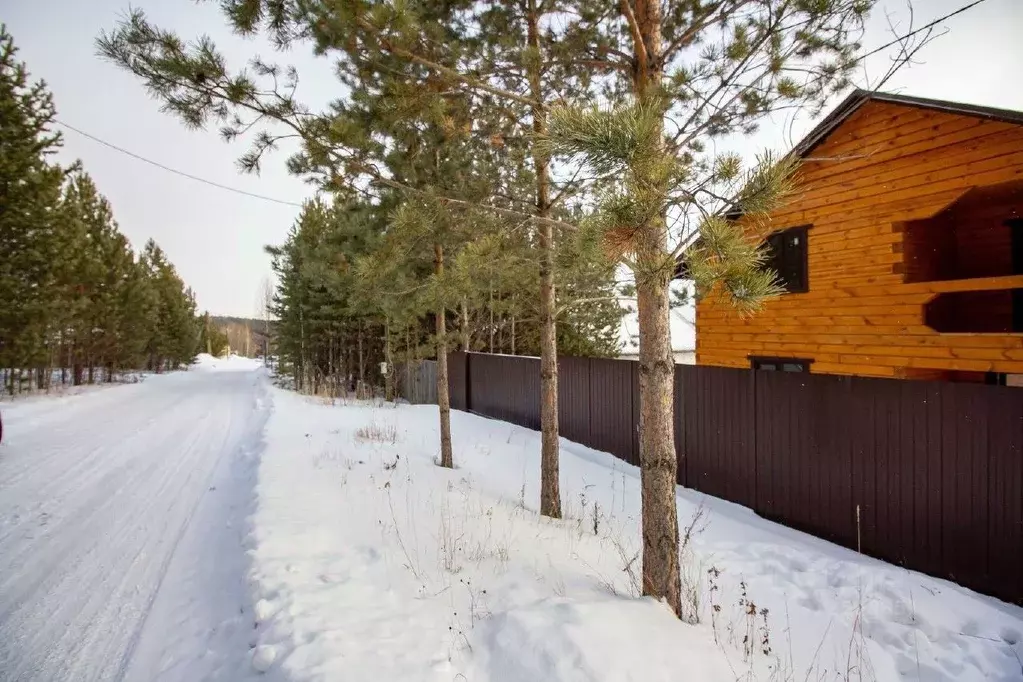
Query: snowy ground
column 372, row 563
column 205, row 526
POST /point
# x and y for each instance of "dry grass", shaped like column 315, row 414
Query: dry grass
column 376, row 433
column 690, row 566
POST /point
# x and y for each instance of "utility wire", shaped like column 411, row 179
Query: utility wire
column 292, row 203
column 918, row 30
column 174, row 170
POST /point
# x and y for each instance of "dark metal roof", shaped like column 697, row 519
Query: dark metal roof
column 857, row 98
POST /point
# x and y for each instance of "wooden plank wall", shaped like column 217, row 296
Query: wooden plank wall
column 886, row 165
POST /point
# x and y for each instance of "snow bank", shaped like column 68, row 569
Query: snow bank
column 205, row 362
column 601, row 640
column 370, row 562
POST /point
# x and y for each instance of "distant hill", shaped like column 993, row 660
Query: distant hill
column 246, row 336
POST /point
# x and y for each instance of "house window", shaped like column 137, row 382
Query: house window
column 780, row 364
column 787, row 255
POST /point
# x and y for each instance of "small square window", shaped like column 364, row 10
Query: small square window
column 787, row 256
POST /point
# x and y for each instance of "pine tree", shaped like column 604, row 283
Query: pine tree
column 30, row 188
column 174, row 338
column 691, row 72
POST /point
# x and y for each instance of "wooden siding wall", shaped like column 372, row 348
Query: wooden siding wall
column 887, row 165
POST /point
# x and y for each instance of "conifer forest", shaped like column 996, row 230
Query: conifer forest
column 80, row 305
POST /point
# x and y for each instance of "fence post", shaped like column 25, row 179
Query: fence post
column 756, row 451
column 467, row 377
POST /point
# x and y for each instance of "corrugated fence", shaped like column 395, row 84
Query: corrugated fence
column 417, row 382
column 927, row 475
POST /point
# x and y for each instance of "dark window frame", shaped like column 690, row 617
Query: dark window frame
column 783, row 262
column 757, row 362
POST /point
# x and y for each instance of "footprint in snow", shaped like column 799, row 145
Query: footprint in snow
column 1010, row 636
column 810, row 601
column 970, row 627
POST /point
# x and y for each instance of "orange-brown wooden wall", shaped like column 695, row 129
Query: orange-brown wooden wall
column 886, row 165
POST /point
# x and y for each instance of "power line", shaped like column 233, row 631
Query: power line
column 174, row 170
column 922, row 28
column 292, row 203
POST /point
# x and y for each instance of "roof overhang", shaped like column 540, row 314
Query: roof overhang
column 851, row 104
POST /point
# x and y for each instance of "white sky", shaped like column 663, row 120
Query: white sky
column 216, row 238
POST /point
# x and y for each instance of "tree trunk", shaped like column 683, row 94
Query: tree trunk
column 362, row 359
column 500, row 330
column 331, row 370
column 443, row 398
column 658, row 464
column 513, row 335
column 550, row 486
column 465, row 327
column 389, row 362
column 491, row 306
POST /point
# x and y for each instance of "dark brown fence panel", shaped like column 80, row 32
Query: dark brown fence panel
column 928, row 475
column 612, row 424
column 717, row 419
column 1005, row 492
column 634, row 380
column 505, row 387
column 678, row 410
column 883, row 468
column 574, row 399
column 805, row 451
column 964, row 492
column 458, row 384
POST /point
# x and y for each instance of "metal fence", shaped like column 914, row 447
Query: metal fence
column 417, row 382
column 927, row 475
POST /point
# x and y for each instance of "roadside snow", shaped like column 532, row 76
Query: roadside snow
column 205, row 362
column 370, row 562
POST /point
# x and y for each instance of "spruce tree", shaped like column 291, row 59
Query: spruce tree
column 30, row 187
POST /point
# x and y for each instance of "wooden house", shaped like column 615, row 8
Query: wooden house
column 901, row 252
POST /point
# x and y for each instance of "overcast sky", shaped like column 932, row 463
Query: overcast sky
column 216, row 238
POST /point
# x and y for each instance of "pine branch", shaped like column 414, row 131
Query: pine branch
column 439, row 68
column 698, row 25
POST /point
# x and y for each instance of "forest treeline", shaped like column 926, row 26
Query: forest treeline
column 77, row 303
column 344, row 303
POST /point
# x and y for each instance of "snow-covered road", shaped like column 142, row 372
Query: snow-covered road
column 124, row 503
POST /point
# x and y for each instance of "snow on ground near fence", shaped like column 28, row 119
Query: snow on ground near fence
column 370, row 562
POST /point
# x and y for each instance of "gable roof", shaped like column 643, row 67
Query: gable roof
column 857, row 98
column 851, row 104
